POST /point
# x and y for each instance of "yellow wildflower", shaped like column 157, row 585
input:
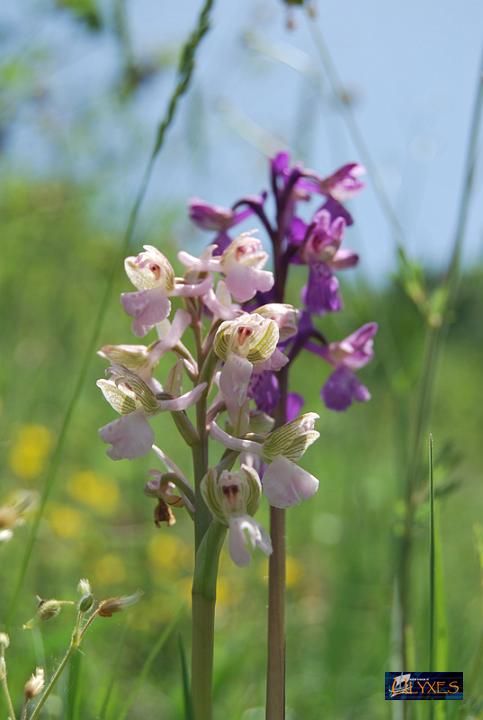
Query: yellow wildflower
column 293, row 572
column 167, row 552
column 30, row 451
column 66, row 522
column 97, row 491
column 110, row 570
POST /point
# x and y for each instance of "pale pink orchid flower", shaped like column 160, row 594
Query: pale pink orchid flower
column 131, row 435
column 151, row 273
column 284, row 483
column 241, row 264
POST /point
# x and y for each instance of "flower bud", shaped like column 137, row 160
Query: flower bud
column 87, row 599
column 46, row 610
column 112, row 605
column 4, row 642
column 35, row 685
column 150, row 269
column 250, row 336
column 286, row 317
column 231, row 493
column 292, row 439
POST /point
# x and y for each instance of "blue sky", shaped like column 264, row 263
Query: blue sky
column 411, row 68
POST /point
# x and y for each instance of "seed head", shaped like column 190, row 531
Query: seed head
column 35, row 685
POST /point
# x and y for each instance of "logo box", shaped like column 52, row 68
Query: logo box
column 423, row 685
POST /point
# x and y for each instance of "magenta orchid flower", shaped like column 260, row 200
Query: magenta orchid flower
column 217, row 219
column 354, row 352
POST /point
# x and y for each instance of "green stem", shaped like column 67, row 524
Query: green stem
column 209, row 538
column 53, row 681
column 275, row 709
column 8, row 699
column 203, row 618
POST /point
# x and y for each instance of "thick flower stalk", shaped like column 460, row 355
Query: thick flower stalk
column 232, row 340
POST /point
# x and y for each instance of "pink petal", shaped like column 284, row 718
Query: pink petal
column 147, row 307
column 234, row 379
column 275, row 362
column 243, row 281
column 344, row 259
column 246, row 531
column 130, row 436
column 183, row 401
column 286, row 484
column 194, row 289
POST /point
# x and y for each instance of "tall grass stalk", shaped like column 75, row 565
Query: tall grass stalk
column 114, row 674
column 187, row 699
column 431, row 622
column 435, row 335
column 185, row 70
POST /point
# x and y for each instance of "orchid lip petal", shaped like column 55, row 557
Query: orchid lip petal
column 286, row 484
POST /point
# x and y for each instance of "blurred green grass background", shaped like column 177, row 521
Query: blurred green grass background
column 341, row 545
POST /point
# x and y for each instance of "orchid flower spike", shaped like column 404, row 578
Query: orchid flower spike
column 233, row 498
column 131, row 435
column 151, row 273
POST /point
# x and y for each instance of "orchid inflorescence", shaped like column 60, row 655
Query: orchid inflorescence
column 245, row 338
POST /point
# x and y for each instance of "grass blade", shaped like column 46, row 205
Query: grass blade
column 74, row 687
column 114, row 674
column 188, row 702
column 438, row 629
column 156, row 649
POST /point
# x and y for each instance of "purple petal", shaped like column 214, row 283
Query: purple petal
column 264, row 389
column 321, row 294
column 210, row 217
column 342, row 389
column 221, row 242
column 336, row 210
column 295, row 403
